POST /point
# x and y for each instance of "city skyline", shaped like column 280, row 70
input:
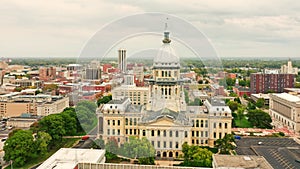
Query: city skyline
column 235, row 28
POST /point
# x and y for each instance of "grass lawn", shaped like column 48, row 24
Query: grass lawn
column 65, row 143
column 243, row 123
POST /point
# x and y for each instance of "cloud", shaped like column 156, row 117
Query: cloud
column 235, row 27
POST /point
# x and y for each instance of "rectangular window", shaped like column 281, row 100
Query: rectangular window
column 108, row 122
column 193, row 133
column 108, row 131
column 176, row 145
column 201, row 133
column 152, row 142
column 220, row 125
column 158, row 144
column 165, row 144
column 215, row 135
column 119, row 132
column 201, row 123
column 144, row 132
column 119, row 122
column 206, row 123
column 171, row 144
column 113, row 132
column 113, row 122
column 130, row 131
column 215, row 125
column 177, row 134
column 171, row 133
column 185, row 134
column 152, row 132
column 206, row 133
column 197, row 133
column 134, row 131
column 165, row 133
column 126, row 131
column 220, row 135
column 225, row 126
column 158, row 133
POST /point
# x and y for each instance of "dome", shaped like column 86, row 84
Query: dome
column 166, row 57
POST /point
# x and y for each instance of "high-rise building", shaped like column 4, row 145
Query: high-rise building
column 289, row 68
column 93, row 71
column 263, row 83
column 122, row 60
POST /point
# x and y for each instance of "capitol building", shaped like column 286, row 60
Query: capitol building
column 164, row 119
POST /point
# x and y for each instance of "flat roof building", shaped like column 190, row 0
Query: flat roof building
column 70, row 157
column 285, row 110
column 239, row 162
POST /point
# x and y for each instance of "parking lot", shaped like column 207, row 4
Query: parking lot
column 279, row 152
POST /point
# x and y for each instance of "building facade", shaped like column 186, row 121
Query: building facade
column 166, row 120
column 263, row 83
column 137, row 95
column 285, row 109
column 122, row 60
column 288, row 68
column 47, row 73
column 13, row 105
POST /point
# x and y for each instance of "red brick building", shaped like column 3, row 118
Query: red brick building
column 47, row 73
column 262, row 83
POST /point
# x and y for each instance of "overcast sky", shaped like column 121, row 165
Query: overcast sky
column 236, row 28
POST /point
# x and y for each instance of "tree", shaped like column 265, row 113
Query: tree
column 104, row 100
column 232, row 94
column 42, row 141
column 242, row 82
column 19, row 147
column 88, row 104
column 69, row 123
column 251, row 106
column 240, row 113
column 259, row 119
column 140, row 149
column 237, row 99
column 111, row 148
column 194, row 156
column 225, row 145
column 54, row 125
column 260, row 102
column 233, row 105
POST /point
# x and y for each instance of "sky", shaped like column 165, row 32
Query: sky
column 235, row 28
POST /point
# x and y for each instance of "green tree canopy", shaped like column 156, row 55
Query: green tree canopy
column 259, row 119
column 225, row 145
column 260, row 102
column 54, row 125
column 104, row 100
column 19, row 147
column 194, row 156
column 233, row 105
column 42, row 141
column 140, row 149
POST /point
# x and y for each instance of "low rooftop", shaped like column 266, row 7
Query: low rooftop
column 287, row 97
column 240, row 162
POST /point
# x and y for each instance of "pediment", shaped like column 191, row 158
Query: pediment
column 164, row 121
